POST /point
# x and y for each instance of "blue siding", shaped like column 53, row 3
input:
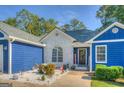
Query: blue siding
column 1, row 34
column 108, row 35
column 5, row 55
column 115, row 54
column 25, row 56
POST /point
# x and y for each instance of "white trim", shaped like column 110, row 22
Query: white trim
column 86, row 56
column 4, row 33
column 79, row 44
column 90, row 58
column 78, row 56
column 103, row 41
column 10, row 56
column 6, row 36
column 57, row 55
column 114, row 24
column 2, row 58
column 105, row 54
column 26, row 41
column 85, row 49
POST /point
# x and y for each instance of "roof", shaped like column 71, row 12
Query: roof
column 14, row 32
column 82, row 35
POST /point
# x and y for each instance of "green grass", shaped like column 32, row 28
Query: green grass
column 101, row 83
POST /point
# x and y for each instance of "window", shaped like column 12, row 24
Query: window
column 101, row 54
column 57, row 54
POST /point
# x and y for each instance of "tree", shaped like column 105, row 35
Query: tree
column 109, row 14
column 11, row 21
column 74, row 24
column 32, row 23
column 48, row 25
column 28, row 22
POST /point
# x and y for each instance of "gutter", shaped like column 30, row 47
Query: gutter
column 12, row 38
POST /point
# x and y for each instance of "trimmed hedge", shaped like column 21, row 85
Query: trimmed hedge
column 108, row 73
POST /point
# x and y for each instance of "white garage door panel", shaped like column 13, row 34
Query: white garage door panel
column 1, row 58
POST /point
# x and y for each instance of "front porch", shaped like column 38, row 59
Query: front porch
column 81, row 58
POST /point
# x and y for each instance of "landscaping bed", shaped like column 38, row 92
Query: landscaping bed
column 35, row 76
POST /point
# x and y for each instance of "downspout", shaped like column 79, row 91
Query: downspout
column 10, row 40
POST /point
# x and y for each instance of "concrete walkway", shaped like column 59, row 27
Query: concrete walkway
column 73, row 79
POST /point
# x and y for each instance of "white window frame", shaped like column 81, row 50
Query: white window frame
column 57, row 55
column 105, row 54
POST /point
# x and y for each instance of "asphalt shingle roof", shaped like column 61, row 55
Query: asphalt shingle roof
column 82, row 35
column 12, row 31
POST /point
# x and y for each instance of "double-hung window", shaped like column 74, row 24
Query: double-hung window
column 101, row 54
column 57, row 54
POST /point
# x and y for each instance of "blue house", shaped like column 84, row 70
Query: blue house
column 107, row 47
column 19, row 51
column 85, row 48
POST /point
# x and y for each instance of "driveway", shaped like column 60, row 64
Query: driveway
column 73, row 79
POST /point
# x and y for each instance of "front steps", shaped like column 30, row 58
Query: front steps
column 81, row 68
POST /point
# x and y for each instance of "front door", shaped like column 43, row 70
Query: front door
column 1, row 58
column 82, row 56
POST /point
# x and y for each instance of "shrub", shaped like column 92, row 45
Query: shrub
column 43, row 78
column 73, row 67
column 41, row 69
column 123, row 71
column 108, row 73
column 47, row 69
column 50, row 69
column 100, row 65
column 120, row 69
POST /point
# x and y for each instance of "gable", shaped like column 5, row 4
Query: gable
column 56, row 33
column 111, row 34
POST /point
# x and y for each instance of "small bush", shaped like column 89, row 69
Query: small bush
column 73, row 67
column 108, row 73
column 43, row 78
column 48, row 69
column 41, row 69
column 120, row 69
column 123, row 71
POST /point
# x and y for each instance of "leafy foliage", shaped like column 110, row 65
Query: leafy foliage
column 48, row 69
column 43, row 78
column 108, row 73
column 32, row 23
column 11, row 21
column 74, row 24
column 109, row 14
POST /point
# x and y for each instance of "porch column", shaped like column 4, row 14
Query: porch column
column 90, row 58
column 78, row 56
column 10, row 57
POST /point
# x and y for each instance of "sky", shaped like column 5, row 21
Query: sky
column 63, row 14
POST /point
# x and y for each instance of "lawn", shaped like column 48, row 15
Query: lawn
column 100, row 83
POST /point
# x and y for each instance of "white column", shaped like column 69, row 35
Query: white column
column 10, row 56
column 78, row 55
column 91, row 58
